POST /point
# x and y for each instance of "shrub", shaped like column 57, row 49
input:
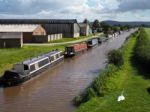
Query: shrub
column 91, row 93
column 115, row 57
column 77, row 100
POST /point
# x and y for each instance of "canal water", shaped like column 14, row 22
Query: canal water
column 54, row 89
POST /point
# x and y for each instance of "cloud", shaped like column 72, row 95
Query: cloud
column 35, row 6
column 133, row 5
column 79, row 9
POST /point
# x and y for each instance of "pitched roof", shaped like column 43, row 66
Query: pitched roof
column 17, row 28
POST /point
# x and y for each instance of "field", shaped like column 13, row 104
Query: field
column 10, row 56
column 131, row 81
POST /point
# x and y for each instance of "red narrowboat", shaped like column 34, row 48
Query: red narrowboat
column 74, row 49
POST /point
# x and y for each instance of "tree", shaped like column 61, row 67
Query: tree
column 116, row 28
column 106, row 28
column 115, row 57
column 86, row 21
column 96, row 25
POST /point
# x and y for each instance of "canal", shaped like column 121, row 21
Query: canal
column 54, row 89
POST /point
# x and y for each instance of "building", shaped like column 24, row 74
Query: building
column 67, row 27
column 48, row 38
column 85, row 29
column 28, row 31
column 11, row 40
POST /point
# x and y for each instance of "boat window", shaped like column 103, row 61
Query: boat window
column 32, row 68
column 61, row 54
column 90, row 42
column 57, row 55
column 52, row 58
column 69, row 49
column 26, row 67
column 43, row 62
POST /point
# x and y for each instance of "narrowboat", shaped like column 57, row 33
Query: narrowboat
column 72, row 50
column 99, row 40
column 92, row 42
column 102, row 39
column 28, row 69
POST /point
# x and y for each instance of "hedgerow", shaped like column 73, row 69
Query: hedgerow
column 142, row 49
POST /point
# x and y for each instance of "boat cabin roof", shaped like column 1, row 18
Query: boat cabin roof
column 76, row 44
column 33, row 60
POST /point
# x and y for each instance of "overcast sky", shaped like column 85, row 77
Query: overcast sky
column 121, row 10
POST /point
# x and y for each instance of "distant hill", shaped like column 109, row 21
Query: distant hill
column 132, row 23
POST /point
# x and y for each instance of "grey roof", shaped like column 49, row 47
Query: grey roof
column 37, row 21
column 33, row 60
column 83, row 24
column 10, row 35
column 18, row 27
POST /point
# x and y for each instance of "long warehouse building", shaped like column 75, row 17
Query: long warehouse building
column 67, row 27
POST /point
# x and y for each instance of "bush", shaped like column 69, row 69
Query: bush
column 77, row 100
column 91, row 93
column 115, row 57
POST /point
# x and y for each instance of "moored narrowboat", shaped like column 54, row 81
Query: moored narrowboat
column 28, row 69
column 92, row 42
column 102, row 39
column 74, row 49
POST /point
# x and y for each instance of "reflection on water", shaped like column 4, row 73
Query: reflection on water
column 54, row 89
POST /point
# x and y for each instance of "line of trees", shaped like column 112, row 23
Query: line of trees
column 98, row 26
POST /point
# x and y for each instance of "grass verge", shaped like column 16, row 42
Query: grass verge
column 127, row 79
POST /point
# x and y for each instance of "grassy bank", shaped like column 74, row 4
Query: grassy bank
column 128, row 79
column 10, row 56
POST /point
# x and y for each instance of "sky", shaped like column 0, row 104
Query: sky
column 120, row 10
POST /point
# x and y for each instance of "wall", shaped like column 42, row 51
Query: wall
column 85, row 30
column 65, row 29
column 53, row 37
column 76, row 30
column 39, row 39
column 27, row 38
column 11, row 43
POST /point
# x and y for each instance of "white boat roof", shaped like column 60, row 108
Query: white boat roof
column 33, row 60
column 18, row 27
